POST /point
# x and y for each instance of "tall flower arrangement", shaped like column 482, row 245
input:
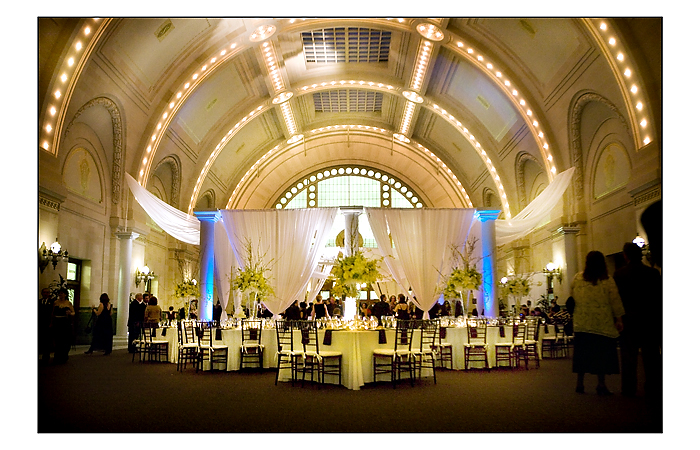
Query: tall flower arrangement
column 187, row 288
column 349, row 271
column 464, row 276
column 517, row 286
column 252, row 277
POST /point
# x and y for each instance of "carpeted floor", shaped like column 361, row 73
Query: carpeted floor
column 94, row 393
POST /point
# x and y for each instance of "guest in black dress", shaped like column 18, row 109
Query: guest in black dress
column 62, row 326
column 293, row 312
column 102, row 334
column 320, row 309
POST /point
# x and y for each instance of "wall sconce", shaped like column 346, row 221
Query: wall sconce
column 552, row 270
column 144, row 274
column 641, row 243
column 51, row 254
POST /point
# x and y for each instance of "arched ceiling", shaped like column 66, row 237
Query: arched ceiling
column 250, row 105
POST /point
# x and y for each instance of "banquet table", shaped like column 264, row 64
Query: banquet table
column 356, row 346
column 457, row 336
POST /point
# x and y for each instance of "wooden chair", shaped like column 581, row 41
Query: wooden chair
column 150, row 348
column 251, row 347
column 287, row 357
column 475, row 347
column 209, row 350
column 443, row 349
column 187, row 346
column 397, row 360
column 424, row 355
column 321, row 362
column 556, row 346
column 531, row 344
column 511, row 351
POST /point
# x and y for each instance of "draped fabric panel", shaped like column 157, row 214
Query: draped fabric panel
column 423, row 240
column 535, row 212
column 290, row 243
column 225, row 266
column 318, row 278
column 178, row 224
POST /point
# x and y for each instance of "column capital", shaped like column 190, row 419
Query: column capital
column 124, row 234
column 208, row 216
column 486, row 214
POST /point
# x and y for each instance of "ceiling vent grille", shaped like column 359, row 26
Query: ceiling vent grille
column 348, row 100
column 346, row 45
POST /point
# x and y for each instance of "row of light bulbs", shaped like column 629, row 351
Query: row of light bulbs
column 60, row 87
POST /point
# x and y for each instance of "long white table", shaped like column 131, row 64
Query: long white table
column 356, row 346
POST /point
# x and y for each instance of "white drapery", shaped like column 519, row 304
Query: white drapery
column 225, row 266
column 176, row 223
column 290, row 242
column 535, row 212
column 423, row 240
column 318, row 278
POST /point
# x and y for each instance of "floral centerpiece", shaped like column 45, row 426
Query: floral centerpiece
column 518, row 287
column 251, row 278
column 187, row 288
column 464, row 275
column 349, row 271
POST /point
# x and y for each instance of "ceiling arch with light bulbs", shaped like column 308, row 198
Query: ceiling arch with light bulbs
column 251, row 105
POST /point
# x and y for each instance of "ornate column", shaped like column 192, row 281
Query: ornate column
column 488, row 254
column 126, row 245
column 207, row 219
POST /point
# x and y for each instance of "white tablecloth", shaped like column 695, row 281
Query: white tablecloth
column 457, row 336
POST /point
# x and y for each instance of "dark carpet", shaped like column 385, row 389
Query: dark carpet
column 98, row 394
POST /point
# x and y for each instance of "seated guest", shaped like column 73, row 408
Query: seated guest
column 153, row 313
column 293, row 312
column 538, row 312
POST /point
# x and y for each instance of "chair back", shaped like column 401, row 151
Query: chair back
column 251, row 332
column 189, row 333
column 428, row 333
column 285, row 334
column 309, row 336
column 519, row 333
column 404, row 335
column 476, row 334
column 147, row 332
column 532, row 331
column 204, row 333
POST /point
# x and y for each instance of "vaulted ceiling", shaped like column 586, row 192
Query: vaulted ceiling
column 469, row 112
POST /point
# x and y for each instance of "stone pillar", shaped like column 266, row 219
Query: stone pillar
column 488, row 254
column 126, row 274
column 207, row 220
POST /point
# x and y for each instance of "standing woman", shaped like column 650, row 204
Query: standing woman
column 320, row 309
column 62, row 326
column 102, row 335
column 597, row 323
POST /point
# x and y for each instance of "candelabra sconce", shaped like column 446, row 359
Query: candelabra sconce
column 641, row 243
column 51, row 255
column 144, row 274
column 552, row 271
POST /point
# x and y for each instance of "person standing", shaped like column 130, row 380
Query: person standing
column 640, row 290
column 102, row 334
column 44, row 325
column 152, row 314
column 381, row 309
column 216, row 315
column 62, row 326
column 597, row 323
column 136, row 309
column 319, row 310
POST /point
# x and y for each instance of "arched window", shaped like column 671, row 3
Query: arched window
column 349, row 185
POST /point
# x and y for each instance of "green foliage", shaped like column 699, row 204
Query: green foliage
column 464, row 276
column 252, row 277
column 186, row 288
column 352, row 270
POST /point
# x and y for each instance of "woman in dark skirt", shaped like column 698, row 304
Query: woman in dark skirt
column 102, row 334
column 597, row 323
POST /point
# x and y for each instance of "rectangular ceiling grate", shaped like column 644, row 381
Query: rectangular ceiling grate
column 346, row 45
column 348, row 100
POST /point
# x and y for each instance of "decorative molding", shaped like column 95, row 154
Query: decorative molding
column 520, row 161
column 575, row 114
column 175, row 172
column 648, row 196
column 117, row 140
column 51, row 204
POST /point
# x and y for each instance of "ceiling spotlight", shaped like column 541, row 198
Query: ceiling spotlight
column 262, row 32
column 283, row 97
column 430, row 32
column 412, row 96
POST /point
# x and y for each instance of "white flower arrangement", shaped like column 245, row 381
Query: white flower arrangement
column 464, row 276
column 349, row 271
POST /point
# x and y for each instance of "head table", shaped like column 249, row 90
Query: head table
column 356, row 345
